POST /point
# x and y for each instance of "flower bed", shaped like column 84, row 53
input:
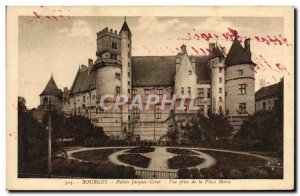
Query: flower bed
column 135, row 159
column 184, row 161
column 141, row 149
column 180, row 151
column 96, row 156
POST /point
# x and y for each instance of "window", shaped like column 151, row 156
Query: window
column 220, row 98
column 190, row 72
column 94, row 96
column 220, row 79
column 128, row 83
column 157, row 112
column 118, row 90
column 200, row 93
column 159, row 92
column 83, row 105
column 128, row 45
column 147, row 93
column 220, row 109
column 220, row 69
column 136, row 113
column 264, row 105
column 83, row 99
column 242, row 107
column 118, row 76
column 185, row 108
column 220, row 90
column 128, row 91
column 200, row 109
column 128, row 54
column 128, row 74
column 208, row 110
column 86, row 111
column 242, row 89
column 114, row 56
column 133, row 92
column 240, row 72
column 182, row 91
column 97, row 110
column 189, row 91
column 208, row 93
column 114, row 45
column 129, row 65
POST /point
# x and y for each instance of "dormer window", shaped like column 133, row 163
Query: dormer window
column 240, row 72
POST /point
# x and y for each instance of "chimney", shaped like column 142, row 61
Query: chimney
column 90, row 62
column 223, row 50
column 183, row 49
column 247, row 45
column 212, row 46
column 192, row 59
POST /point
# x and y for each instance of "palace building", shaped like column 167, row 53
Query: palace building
column 220, row 84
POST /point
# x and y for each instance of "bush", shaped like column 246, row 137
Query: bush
column 183, row 161
column 211, row 172
column 256, row 173
column 234, row 174
column 195, row 173
column 183, row 173
column 76, row 168
column 135, row 159
column 180, row 151
column 142, row 149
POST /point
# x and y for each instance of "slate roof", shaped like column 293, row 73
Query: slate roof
column 268, row 92
column 83, row 81
column 237, row 55
column 125, row 27
column 51, row 89
column 153, row 70
column 216, row 53
column 161, row 70
column 202, row 68
column 146, row 71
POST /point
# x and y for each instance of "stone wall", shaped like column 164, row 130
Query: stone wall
column 234, row 79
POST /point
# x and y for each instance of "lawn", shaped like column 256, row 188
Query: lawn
column 184, row 161
column 180, row 151
column 95, row 156
column 236, row 161
column 141, row 150
column 135, row 159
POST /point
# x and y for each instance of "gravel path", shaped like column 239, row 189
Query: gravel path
column 160, row 156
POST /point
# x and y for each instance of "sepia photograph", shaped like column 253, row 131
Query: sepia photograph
column 144, row 99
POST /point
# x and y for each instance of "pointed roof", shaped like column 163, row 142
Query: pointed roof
column 125, row 27
column 237, row 55
column 51, row 88
column 216, row 52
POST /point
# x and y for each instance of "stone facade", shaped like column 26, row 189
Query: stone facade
column 214, row 81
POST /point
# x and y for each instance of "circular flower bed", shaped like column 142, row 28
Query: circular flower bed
column 141, row 149
column 96, row 156
column 184, row 161
column 180, row 151
column 135, row 160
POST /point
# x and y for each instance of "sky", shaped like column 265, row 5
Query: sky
column 59, row 46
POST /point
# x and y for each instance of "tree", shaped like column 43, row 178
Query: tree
column 262, row 131
column 32, row 141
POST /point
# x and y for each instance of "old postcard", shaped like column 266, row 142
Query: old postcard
column 150, row 98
